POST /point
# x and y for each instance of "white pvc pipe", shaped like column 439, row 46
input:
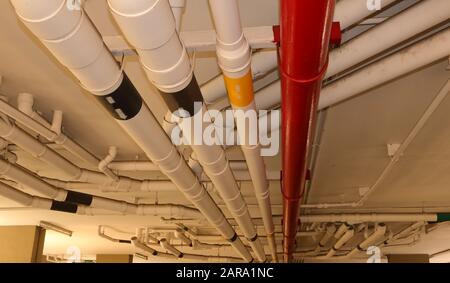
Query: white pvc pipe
column 405, row 232
column 30, row 181
column 347, row 13
column 33, row 146
column 234, row 57
column 373, row 42
column 178, row 7
column 183, row 238
column 361, row 218
column 167, row 66
column 217, row 168
column 342, row 240
column 103, row 164
column 350, row 12
column 171, row 249
column 375, row 237
column 41, row 126
column 327, row 236
column 426, row 14
column 156, row 253
column 75, row 42
column 25, row 102
column 150, row 166
column 398, row 64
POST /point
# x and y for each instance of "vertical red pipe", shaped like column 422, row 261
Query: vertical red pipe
column 305, row 27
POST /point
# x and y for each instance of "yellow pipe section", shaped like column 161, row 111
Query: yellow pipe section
column 240, row 90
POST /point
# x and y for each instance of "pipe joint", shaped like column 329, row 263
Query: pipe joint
column 234, row 59
column 173, row 78
column 134, row 19
column 50, row 21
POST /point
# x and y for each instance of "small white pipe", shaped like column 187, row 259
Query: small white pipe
column 340, row 242
column 217, row 168
column 364, row 47
column 103, row 164
column 374, row 218
column 150, row 166
column 25, row 103
column 57, row 122
column 156, row 253
column 133, row 166
column 30, row 181
column 341, row 231
column 171, row 249
column 327, row 236
column 426, row 14
column 178, row 7
column 350, row 12
column 403, row 62
column 33, row 146
column 41, row 126
column 180, row 235
column 376, row 236
column 405, row 232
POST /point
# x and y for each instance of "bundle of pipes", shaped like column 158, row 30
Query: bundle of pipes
column 373, row 239
column 28, row 117
column 234, row 57
column 342, row 236
column 305, row 36
column 327, row 236
column 63, row 31
column 176, row 254
column 428, row 14
column 168, row 67
column 83, row 204
column 33, row 146
column 347, row 13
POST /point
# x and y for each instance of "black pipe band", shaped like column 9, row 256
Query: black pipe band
column 254, row 238
column 234, row 238
column 124, row 103
column 184, row 98
column 79, row 198
column 64, row 206
column 125, row 241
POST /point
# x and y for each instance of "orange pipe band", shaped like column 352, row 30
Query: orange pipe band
column 240, row 91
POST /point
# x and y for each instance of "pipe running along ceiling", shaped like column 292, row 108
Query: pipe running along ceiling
column 304, row 59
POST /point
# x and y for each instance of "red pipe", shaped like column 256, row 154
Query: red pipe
column 305, row 28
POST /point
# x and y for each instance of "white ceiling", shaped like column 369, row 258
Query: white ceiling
column 352, row 148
